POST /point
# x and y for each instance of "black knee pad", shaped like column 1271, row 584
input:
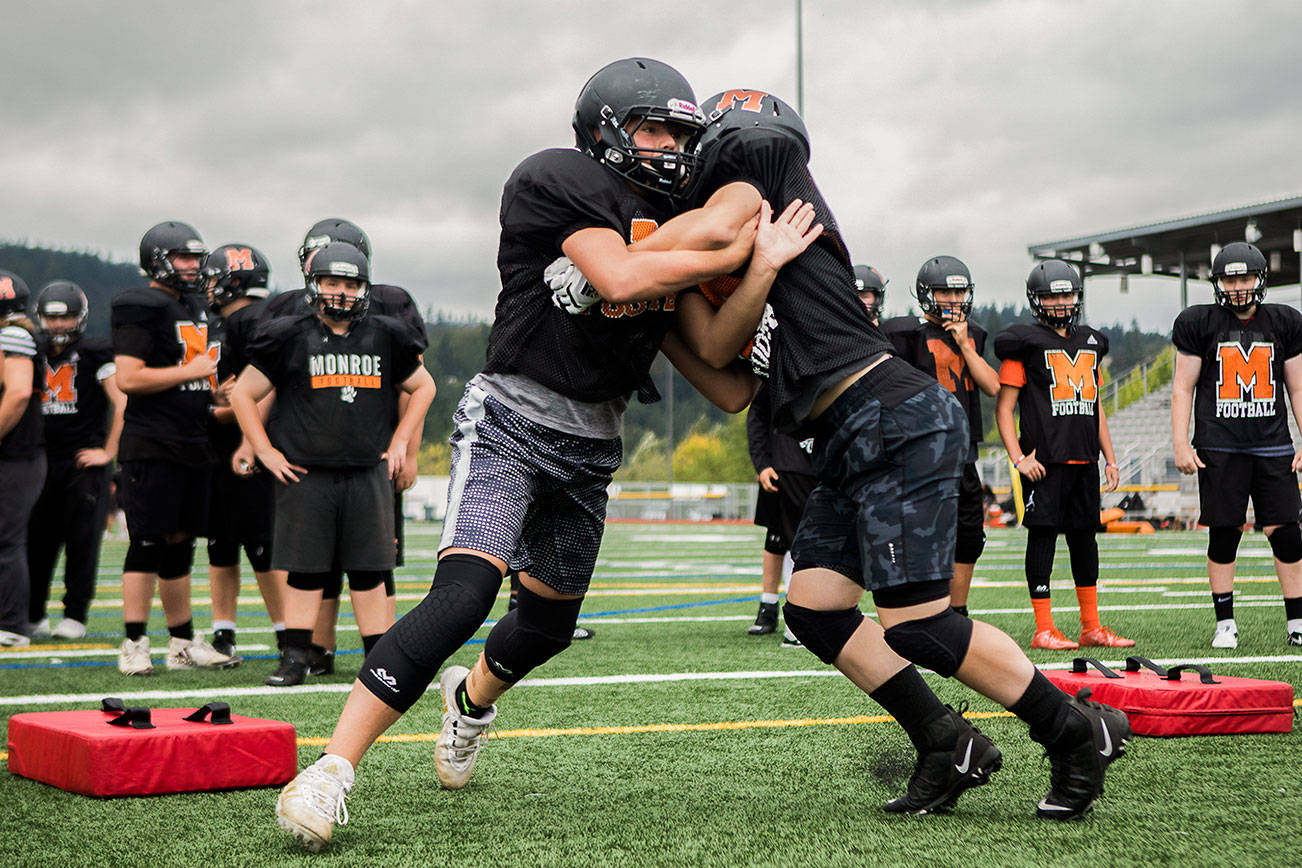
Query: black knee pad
column 459, row 600
column 822, row 632
column 332, row 585
column 1223, row 544
column 307, row 581
column 969, row 544
column 142, row 556
column 223, row 553
column 175, row 559
column 259, row 554
column 392, row 676
column 774, row 544
column 1083, row 548
column 529, row 635
column 365, row 580
column 1286, row 543
column 938, row 643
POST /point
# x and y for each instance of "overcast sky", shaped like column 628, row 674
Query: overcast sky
column 968, row 128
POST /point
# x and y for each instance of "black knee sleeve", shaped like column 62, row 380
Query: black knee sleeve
column 774, row 544
column 259, row 555
column 142, row 556
column 823, row 632
column 529, row 635
column 390, row 586
column 969, row 544
column 332, row 585
column 1286, row 543
column 1040, row 543
column 175, row 559
column 365, row 580
column 1083, row 547
column 223, row 553
column 1223, row 544
column 307, row 581
column 938, row 643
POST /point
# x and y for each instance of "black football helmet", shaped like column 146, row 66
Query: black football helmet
column 637, row 89
column 13, row 294
column 871, row 287
column 332, row 229
column 339, row 259
column 944, row 272
column 164, row 241
column 1055, row 276
column 1235, row 259
column 233, row 271
column 741, row 109
column 61, row 298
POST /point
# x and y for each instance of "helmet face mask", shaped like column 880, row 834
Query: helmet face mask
column 328, row 270
column 871, row 289
column 232, row 272
column 1234, row 262
column 165, row 243
column 1048, row 282
column 950, row 275
column 61, row 300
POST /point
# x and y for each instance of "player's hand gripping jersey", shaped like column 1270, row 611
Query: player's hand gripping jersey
column 1239, row 401
column 931, row 349
column 1059, row 378
column 605, row 352
column 73, row 400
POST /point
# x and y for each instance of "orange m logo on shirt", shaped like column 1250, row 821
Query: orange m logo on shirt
column 194, row 338
column 1073, row 376
column 950, row 368
column 751, row 100
column 60, row 387
column 1241, row 370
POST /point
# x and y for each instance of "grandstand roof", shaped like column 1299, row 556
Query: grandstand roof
column 1158, row 248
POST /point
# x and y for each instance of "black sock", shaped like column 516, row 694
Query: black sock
column 962, row 610
column 1224, row 605
column 1292, row 607
column 1043, row 706
column 908, row 699
column 296, row 638
column 182, row 631
column 465, row 706
column 134, row 630
column 368, row 642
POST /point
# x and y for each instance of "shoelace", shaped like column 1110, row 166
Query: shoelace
column 325, row 794
column 463, row 746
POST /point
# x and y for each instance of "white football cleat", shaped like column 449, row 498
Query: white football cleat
column 133, row 657
column 310, row 805
column 41, row 629
column 458, row 741
column 1226, row 635
column 69, row 629
column 197, row 654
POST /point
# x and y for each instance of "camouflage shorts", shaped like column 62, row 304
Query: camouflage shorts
column 885, row 510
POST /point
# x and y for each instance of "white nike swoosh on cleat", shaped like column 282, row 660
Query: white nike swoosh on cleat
column 1046, row 806
column 967, row 760
column 1107, row 739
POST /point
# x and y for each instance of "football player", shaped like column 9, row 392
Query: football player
column 536, row 434
column 871, row 287
column 167, row 370
column 890, row 444
column 1050, row 371
column 1235, row 361
column 945, row 343
column 83, row 410
column 22, row 454
column 332, row 444
column 236, row 278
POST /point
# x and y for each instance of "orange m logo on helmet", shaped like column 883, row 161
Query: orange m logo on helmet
column 751, row 100
column 1240, row 370
column 59, row 384
column 194, row 338
column 239, row 259
column 1073, row 376
column 7, row 288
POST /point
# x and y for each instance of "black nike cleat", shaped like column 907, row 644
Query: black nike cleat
column 942, row 774
column 320, row 660
column 292, row 669
column 766, row 621
column 1093, row 737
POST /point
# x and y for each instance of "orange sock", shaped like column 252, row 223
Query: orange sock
column 1088, row 598
column 1043, row 614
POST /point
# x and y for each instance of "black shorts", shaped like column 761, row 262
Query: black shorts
column 971, row 505
column 240, row 510
column 1067, row 498
column 399, row 538
column 161, row 498
column 334, row 517
column 1230, row 478
column 885, row 511
column 780, row 510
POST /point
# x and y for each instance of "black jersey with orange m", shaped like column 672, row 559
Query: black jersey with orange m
column 1059, row 378
column 932, row 350
column 73, row 401
column 1239, row 400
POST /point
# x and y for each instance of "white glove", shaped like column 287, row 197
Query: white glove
column 571, row 291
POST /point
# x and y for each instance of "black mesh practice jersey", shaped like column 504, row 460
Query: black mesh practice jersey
column 73, row 400
column 386, row 300
column 814, row 330
column 932, row 350
column 606, row 352
column 162, row 330
column 1239, row 400
column 336, row 395
column 771, row 448
column 26, row 439
column 233, row 334
column 1059, row 379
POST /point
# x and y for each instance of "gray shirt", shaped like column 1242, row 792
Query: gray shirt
column 602, row 420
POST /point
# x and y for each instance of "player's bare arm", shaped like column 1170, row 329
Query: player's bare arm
column 717, row 224
column 134, row 377
column 983, row 374
column 109, row 451
column 1187, row 370
column 420, row 387
column 1293, row 382
column 730, row 389
column 251, row 387
column 1111, row 472
column 1026, row 464
column 16, row 392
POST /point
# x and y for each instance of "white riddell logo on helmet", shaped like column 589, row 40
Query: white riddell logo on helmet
column 956, row 281
column 681, row 105
column 1236, row 268
column 1060, row 286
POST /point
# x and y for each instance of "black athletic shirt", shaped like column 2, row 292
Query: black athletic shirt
column 73, row 400
column 1239, row 400
column 336, row 394
column 26, row 439
column 1059, row 381
column 233, row 334
column 386, row 300
column 771, row 448
column 932, row 350
column 606, row 352
column 815, row 330
column 155, row 326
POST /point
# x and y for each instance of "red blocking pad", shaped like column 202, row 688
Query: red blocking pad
column 1158, row 704
column 81, row 752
